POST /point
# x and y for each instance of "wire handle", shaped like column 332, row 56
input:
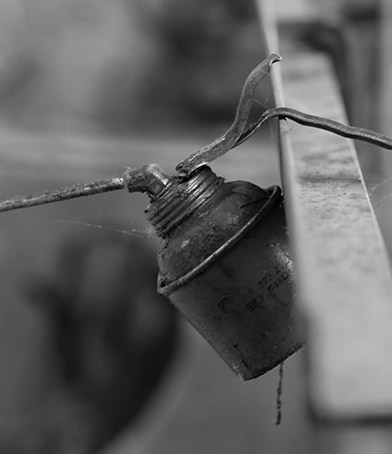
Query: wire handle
column 228, row 140
column 237, row 134
column 151, row 179
column 313, row 121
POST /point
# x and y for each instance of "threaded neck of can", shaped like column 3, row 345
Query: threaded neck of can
column 180, row 199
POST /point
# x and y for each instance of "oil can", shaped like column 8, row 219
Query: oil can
column 224, row 263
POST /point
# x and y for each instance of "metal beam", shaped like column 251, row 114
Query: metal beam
column 343, row 273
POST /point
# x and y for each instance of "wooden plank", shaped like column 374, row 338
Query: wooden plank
column 343, row 273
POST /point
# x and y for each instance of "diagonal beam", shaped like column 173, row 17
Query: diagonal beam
column 343, row 274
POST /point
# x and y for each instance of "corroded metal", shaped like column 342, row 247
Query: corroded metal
column 233, row 135
column 150, row 179
column 62, row 194
column 224, row 263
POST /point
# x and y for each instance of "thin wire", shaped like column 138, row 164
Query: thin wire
column 349, row 132
column 279, row 393
column 237, row 134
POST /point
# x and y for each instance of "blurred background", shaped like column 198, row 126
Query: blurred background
column 92, row 360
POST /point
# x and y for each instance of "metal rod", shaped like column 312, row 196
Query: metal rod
column 61, row 194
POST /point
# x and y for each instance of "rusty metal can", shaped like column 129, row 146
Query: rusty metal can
column 224, row 263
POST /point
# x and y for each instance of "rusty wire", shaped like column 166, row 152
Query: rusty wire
column 228, row 140
column 235, row 136
column 349, row 132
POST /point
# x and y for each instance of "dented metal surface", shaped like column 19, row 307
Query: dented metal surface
column 225, row 265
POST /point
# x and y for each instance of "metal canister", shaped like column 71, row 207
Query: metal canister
column 224, row 263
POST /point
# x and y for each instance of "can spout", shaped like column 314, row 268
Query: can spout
column 149, row 179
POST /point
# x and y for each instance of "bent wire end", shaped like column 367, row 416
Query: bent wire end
column 224, row 143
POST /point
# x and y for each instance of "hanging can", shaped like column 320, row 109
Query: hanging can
column 224, row 263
